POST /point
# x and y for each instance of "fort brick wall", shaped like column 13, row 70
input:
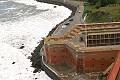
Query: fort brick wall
column 99, row 60
column 88, row 62
column 79, row 65
column 55, row 54
column 69, row 49
column 70, row 59
column 73, row 59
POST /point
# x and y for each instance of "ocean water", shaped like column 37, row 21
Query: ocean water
column 10, row 10
column 25, row 23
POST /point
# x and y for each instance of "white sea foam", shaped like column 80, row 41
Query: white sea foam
column 15, row 66
column 2, row 1
column 39, row 5
column 27, row 32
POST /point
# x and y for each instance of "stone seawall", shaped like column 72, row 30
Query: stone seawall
column 36, row 58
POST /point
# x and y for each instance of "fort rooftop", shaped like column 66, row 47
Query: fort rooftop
column 86, row 48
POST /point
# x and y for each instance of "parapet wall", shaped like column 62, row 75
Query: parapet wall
column 98, row 61
column 81, row 62
column 86, row 28
column 57, row 54
column 82, row 59
column 93, row 28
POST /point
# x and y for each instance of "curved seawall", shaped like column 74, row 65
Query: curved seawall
column 43, row 66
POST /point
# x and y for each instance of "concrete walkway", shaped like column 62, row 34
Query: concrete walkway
column 71, row 22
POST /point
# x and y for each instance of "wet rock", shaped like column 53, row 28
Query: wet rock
column 55, row 6
column 35, row 78
column 13, row 62
column 22, row 47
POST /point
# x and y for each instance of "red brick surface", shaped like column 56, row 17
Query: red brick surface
column 89, row 62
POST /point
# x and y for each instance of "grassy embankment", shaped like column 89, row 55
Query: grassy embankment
column 109, row 13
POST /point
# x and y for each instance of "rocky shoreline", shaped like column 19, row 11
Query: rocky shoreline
column 36, row 58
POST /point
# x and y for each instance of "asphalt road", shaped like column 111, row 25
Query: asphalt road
column 76, row 19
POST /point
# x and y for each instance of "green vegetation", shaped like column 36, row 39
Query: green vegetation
column 102, row 11
column 88, row 8
column 114, row 11
column 104, row 14
column 101, row 3
column 98, row 17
